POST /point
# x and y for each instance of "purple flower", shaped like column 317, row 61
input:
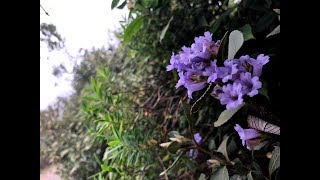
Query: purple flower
column 187, row 82
column 212, row 71
column 182, row 81
column 232, row 95
column 214, row 47
column 173, row 62
column 240, row 63
column 229, row 69
column 192, row 87
column 194, row 152
column 258, row 64
column 197, row 138
column 246, row 134
column 200, row 46
column 250, row 85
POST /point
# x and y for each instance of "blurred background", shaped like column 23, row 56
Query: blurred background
column 68, row 30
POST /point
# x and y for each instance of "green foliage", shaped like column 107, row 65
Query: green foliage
column 221, row 173
column 226, row 115
column 64, row 140
column 132, row 29
column 247, row 32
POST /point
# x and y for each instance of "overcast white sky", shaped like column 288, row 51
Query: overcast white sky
column 83, row 24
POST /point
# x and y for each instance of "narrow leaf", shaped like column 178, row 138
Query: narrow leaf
column 132, row 29
column 171, row 166
column 122, row 4
column 222, row 49
column 163, row 32
column 275, row 31
column 226, row 115
column 114, row 3
column 223, row 147
column 215, row 25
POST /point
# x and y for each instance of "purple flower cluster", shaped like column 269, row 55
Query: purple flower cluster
column 196, row 66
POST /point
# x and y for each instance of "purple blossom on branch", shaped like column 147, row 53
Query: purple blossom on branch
column 229, row 69
column 246, row 134
column 212, row 72
column 194, row 152
column 250, row 85
column 196, row 66
column 232, row 95
column 197, row 138
column 258, row 64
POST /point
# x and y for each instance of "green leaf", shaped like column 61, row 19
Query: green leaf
column 171, row 166
column 226, row 115
column 275, row 160
column 121, row 128
column 115, row 132
column 222, row 48
column 173, row 133
column 215, row 25
column 122, row 4
column 114, row 143
column 114, row 3
column 275, row 31
column 186, row 109
column 174, row 147
column 235, row 42
column 202, row 21
column 223, row 148
column 277, row 11
column 220, row 174
column 197, row 105
column 202, row 177
column 261, row 145
column 131, row 158
column 132, row 29
column 212, row 144
column 163, row 32
column 247, row 32
column 109, row 152
column 137, row 159
column 149, row 3
column 264, row 89
column 265, row 21
column 249, row 176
